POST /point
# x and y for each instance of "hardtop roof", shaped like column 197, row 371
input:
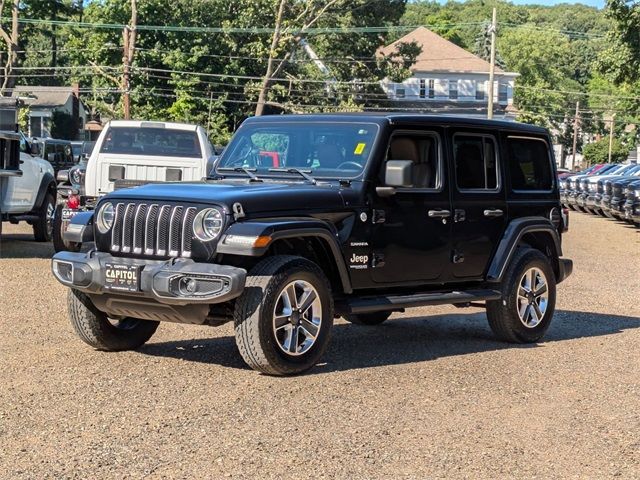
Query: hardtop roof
column 396, row 118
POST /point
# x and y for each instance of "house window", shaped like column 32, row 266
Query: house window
column 502, row 92
column 423, row 88
column 400, row 92
column 432, row 88
column 453, row 89
column 481, row 89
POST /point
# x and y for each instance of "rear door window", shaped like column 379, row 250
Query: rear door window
column 476, row 162
column 529, row 164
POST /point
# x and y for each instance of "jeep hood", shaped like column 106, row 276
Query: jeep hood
column 254, row 197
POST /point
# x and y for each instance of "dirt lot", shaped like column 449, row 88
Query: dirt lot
column 427, row 395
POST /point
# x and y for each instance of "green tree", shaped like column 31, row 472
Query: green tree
column 598, row 152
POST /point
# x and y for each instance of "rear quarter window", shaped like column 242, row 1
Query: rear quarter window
column 529, row 164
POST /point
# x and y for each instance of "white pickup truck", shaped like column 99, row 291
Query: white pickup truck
column 27, row 186
column 131, row 153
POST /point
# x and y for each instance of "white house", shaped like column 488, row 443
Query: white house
column 42, row 101
column 447, row 78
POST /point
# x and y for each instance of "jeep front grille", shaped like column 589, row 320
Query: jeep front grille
column 152, row 229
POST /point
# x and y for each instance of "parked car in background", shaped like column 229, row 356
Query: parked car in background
column 590, row 198
column 58, row 153
column 618, row 194
column 573, row 187
column 27, row 186
column 129, row 154
column 632, row 203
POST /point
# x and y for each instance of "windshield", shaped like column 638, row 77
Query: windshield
column 330, row 150
column 151, row 142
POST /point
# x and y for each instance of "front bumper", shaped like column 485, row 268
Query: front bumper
column 581, row 200
column 572, row 197
column 592, row 201
column 632, row 211
column 169, row 282
column 617, row 207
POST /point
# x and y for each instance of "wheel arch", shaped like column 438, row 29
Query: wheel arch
column 47, row 185
column 534, row 232
column 313, row 239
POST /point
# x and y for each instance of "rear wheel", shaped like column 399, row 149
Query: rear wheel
column 524, row 312
column 96, row 329
column 375, row 318
column 43, row 226
column 284, row 316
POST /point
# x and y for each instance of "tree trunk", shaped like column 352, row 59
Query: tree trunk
column 264, row 90
column 9, row 80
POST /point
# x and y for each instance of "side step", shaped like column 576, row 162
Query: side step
column 397, row 302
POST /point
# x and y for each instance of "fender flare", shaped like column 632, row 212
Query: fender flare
column 240, row 237
column 512, row 237
column 80, row 228
column 46, row 182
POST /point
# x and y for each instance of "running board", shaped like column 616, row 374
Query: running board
column 398, row 302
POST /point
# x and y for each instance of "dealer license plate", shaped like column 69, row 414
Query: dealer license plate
column 124, row 278
column 68, row 214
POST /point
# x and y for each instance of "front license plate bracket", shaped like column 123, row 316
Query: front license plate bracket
column 122, row 277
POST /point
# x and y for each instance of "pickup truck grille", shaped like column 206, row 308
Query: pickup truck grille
column 152, row 230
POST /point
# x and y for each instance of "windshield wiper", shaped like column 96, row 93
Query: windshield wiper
column 248, row 171
column 304, row 173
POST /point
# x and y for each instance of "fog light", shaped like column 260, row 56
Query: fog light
column 189, row 285
column 63, row 270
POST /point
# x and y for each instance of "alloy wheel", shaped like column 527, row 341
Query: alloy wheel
column 533, row 297
column 297, row 318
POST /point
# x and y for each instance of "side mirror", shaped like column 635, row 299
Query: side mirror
column 397, row 173
column 35, row 149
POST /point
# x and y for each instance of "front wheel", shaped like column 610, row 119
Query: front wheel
column 43, row 226
column 96, row 329
column 524, row 312
column 284, row 316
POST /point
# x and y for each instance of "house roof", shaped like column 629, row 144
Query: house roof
column 439, row 54
column 43, row 97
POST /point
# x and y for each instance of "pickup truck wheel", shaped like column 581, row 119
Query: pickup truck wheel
column 375, row 318
column 43, row 227
column 284, row 316
column 59, row 243
column 524, row 313
column 96, row 329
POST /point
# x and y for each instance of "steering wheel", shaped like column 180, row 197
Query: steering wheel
column 351, row 163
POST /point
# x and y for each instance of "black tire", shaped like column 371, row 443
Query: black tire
column 59, row 244
column 255, row 309
column 503, row 315
column 94, row 328
column 375, row 318
column 43, row 227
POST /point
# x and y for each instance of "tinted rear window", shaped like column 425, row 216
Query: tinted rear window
column 529, row 164
column 151, row 142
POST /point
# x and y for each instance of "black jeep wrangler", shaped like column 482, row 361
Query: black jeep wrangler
column 311, row 217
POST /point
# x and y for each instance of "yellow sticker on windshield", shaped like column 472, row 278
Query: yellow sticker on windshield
column 360, row 148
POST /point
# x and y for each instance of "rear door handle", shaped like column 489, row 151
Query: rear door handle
column 495, row 212
column 439, row 213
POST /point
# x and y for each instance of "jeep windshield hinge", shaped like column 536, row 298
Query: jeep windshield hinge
column 379, row 216
column 238, row 211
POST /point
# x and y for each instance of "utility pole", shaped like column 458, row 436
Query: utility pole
column 613, row 119
column 575, row 137
column 129, row 48
column 492, row 66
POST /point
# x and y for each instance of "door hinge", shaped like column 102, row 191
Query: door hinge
column 379, row 216
column 457, row 257
column 378, row 260
column 459, row 216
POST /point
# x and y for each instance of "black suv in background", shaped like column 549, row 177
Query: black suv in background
column 311, row 217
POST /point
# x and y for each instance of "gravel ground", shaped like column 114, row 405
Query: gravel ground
column 429, row 394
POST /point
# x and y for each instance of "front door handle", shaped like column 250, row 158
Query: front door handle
column 493, row 212
column 439, row 213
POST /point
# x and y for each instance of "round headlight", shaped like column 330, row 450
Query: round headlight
column 75, row 175
column 106, row 215
column 208, row 224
